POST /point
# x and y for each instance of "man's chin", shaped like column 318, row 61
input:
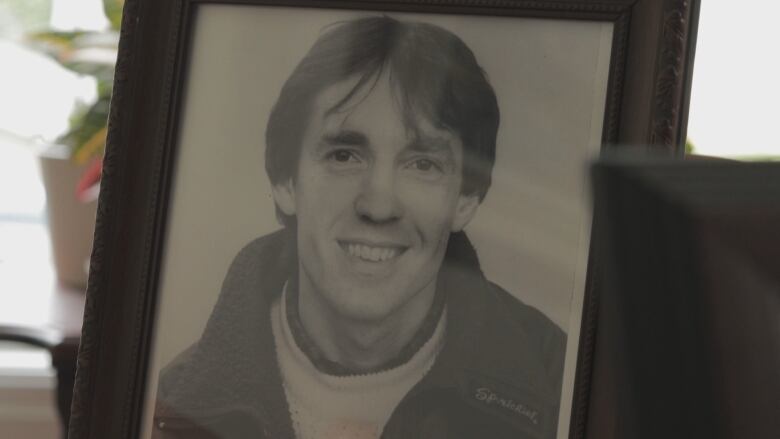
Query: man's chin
column 366, row 274
column 364, row 303
column 361, row 313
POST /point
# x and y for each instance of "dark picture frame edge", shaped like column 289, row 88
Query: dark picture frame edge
column 648, row 91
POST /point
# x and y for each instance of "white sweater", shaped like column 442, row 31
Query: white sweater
column 326, row 406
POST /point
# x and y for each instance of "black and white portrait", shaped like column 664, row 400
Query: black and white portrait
column 379, row 226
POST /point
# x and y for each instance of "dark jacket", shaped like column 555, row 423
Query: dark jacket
column 498, row 374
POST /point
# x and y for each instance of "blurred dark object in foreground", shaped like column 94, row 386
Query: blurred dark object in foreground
column 688, row 342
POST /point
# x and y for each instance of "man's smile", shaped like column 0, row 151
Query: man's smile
column 372, row 252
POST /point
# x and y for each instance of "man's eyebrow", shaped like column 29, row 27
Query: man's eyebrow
column 345, row 138
column 431, row 144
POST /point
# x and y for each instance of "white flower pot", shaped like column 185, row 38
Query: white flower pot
column 71, row 221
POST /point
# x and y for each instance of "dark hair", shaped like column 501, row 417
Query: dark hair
column 433, row 72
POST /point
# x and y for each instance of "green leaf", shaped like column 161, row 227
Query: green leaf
column 689, row 148
column 93, row 54
column 113, row 10
column 85, row 122
column 87, row 53
column 54, row 42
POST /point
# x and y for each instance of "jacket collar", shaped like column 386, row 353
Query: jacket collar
column 487, row 344
column 232, row 369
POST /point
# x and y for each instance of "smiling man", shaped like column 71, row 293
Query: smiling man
column 368, row 315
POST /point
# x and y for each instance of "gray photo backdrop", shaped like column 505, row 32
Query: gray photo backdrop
column 531, row 232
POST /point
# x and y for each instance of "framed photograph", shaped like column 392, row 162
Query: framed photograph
column 363, row 219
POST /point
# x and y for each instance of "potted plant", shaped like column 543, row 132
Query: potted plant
column 71, row 167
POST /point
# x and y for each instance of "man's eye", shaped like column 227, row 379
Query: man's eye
column 425, row 165
column 342, row 156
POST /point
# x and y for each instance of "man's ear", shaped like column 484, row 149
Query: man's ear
column 464, row 211
column 284, row 195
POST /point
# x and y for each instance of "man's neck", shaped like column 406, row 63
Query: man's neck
column 362, row 345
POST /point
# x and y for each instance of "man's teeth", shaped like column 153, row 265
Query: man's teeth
column 374, row 254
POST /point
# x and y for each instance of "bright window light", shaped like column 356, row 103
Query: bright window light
column 735, row 97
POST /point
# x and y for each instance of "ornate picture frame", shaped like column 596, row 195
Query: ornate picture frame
column 194, row 81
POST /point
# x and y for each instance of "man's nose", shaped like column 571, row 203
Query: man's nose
column 378, row 200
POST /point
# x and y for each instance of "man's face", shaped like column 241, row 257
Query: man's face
column 375, row 203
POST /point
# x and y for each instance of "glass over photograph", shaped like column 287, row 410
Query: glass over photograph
column 379, row 226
